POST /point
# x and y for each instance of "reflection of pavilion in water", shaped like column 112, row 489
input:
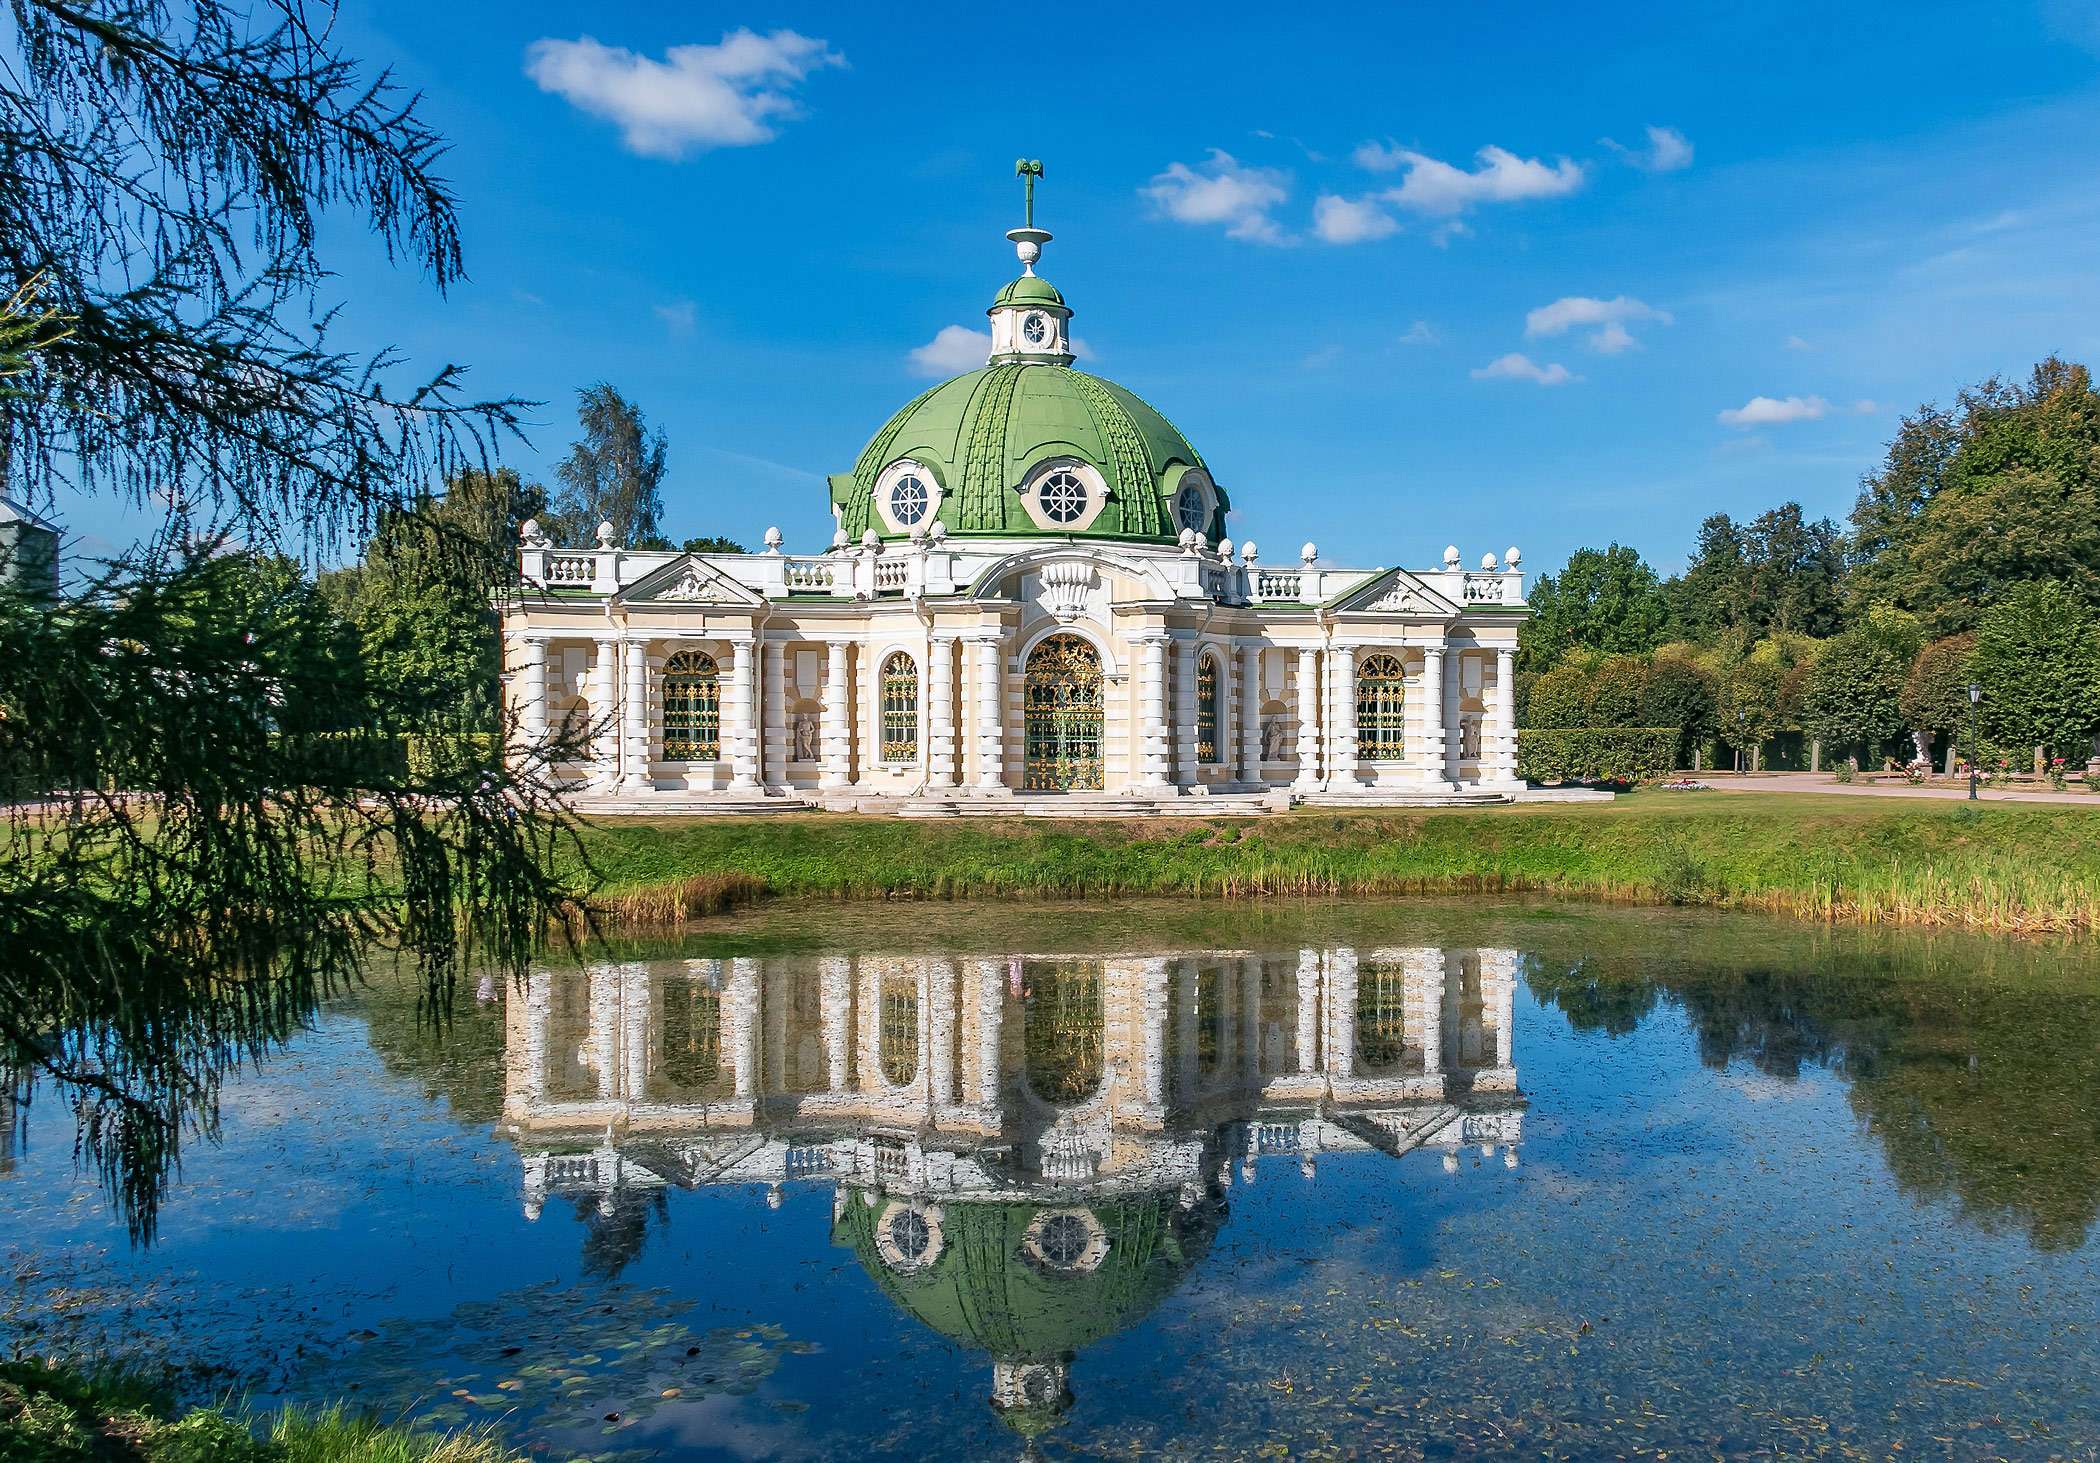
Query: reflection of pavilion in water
column 1028, row 1153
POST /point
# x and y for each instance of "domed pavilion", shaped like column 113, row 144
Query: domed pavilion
column 1031, row 601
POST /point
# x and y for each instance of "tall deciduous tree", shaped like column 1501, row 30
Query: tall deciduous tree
column 2038, row 663
column 1683, row 694
column 1935, row 697
column 614, row 474
column 1854, row 693
column 1778, row 574
column 1749, row 711
column 1606, row 599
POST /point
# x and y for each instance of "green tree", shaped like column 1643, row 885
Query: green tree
column 1780, row 574
column 1560, row 698
column 613, row 475
column 1749, row 706
column 1606, row 599
column 1683, row 694
column 713, row 545
column 1854, row 693
column 1615, row 691
column 2038, row 662
column 1935, row 697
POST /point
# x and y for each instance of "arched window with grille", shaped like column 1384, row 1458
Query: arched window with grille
column 692, row 708
column 1381, row 688
column 1207, row 710
column 900, row 709
column 900, row 1029
column 1381, row 1017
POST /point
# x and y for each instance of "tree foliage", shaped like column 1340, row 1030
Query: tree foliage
column 1778, row 574
column 1749, row 709
column 1854, row 693
column 1935, row 696
column 1608, row 600
column 2038, row 662
column 1683, row 694
column 613, row 475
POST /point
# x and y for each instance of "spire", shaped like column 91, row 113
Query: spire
column 1028, row 239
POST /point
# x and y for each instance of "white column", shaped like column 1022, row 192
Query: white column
column 773, row 746
column 605, row 741
column 1341, row 1006
column 1341, row 765
column 634, row 717
column 1454, row 741
column 1153, row 984
column 940, row 1026
column 743, row 715
column 1309, row 1007
column 1504, row 772
column 743, row 1025
column 940, row 711
column 990, row 978
column 532, row 705
column 1185, row 713
column 838, row 738
column 1250, row 715
column 835, row 990
column 1432, row 754
column 991, row 709
column 868, row 715
column 1308, row 721
column 1151, row 732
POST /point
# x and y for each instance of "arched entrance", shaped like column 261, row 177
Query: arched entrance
column 1063, row 700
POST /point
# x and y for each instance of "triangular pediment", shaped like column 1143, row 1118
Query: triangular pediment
column 1395, row 592
column 688, row 580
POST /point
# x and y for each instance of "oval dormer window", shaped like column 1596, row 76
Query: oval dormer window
column 1192, row 508
column 908, row 500
column 1035, row 327
column 1063, row 496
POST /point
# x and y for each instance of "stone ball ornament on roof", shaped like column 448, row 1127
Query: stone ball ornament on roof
column 1309, row 553
column 1512, row 557
column 774, row 540
column 605, row 534
column 1487, row 561
column 1451, row 556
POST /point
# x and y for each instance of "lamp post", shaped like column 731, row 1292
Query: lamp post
column 1975, row 695
column 1740, row 716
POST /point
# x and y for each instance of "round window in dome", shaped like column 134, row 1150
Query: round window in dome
column 908, row 500
column 1063, row 496
column 1035, row 328
column 1192, row 508
column 911, row 1235
column 1064, row 1240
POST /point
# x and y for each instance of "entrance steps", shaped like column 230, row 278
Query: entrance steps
column 683, row 805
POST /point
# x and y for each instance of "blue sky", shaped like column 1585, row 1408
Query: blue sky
column 1406, row 276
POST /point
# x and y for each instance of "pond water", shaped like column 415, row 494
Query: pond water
column 1414, row 1179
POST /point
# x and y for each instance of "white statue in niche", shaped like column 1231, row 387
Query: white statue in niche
column 1272, row 735
column 805, row 747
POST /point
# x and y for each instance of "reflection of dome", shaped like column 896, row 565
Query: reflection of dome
column 1031, row 1284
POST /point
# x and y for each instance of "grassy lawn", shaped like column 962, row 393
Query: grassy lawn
column 2001, row 866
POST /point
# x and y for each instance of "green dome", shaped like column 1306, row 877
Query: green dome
column 982, row 434
column 1029, row 289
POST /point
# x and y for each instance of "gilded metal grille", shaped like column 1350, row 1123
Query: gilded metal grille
column 900, row 1029
column 1381, row 1016
column 1063, row 714
column 900, row 709
column 1061, row 1026
column 1381, row 688
column 692, row 708
column 1207, row 709
column 692, row 1027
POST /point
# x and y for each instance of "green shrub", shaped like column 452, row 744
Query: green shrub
column 1630, row 754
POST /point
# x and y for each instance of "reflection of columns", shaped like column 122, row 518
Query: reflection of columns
column 1424, row 977
column 1432, row 762
column 605, row 740
column 1309, row 1006
column 1341, row 765
column 743, row 1025
column 991, row 708
column 634, row 1033
column 1152, row 731
column 1498, row 969
column 603, row 1036
column 835, row 990
column 539, row 1002
column 1250, row 714
column 532, row 708
column 1152, row 1033
column 990, row 979
column 773, row 1009
column 1308, row 720
column 1454, row 741
column 743, row 762
column 773, row 750
column 838, row 740
column 634, row 717
column 1250, row 1005
column 1185, row 982
column 940, row 1027
column 1341, row 998
column 1505, row 719
column 940, row 711
column 1185, row 713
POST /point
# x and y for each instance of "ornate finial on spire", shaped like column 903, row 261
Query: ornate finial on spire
column 1028, row 239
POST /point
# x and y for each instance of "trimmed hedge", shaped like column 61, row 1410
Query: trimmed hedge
column 1602, row 753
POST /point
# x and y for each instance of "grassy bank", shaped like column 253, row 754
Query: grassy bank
column 2030, row 867
column 56, row 1415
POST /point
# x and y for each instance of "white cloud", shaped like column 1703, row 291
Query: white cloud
column 1080, row 349
column 1441, row 190
column 1763, row 411
column 1866, row 408
column 1796, row 343
column 678, row 318
column 1668, row 150
column 1518, row 367
column 1223, row 192
column 955, row 350
column 1612, row 314
column 1351, row 220
column 1421, row 333
column 696, row 98
column 1326, row 355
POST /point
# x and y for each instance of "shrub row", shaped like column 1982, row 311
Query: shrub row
column 1604, row 753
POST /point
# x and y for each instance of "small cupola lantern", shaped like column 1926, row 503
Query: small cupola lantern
column 1029, row 317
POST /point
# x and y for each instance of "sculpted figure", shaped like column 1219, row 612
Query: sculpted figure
column 805, row 738
column 1272, row 732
